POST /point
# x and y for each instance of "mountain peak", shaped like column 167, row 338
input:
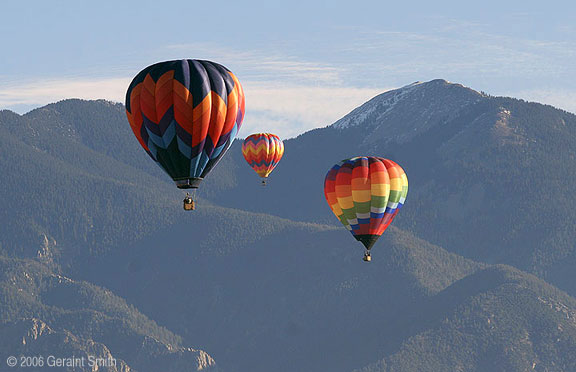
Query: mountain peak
column 431, row 103
column 429, row 83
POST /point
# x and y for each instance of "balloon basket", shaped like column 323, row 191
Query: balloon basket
column 189, row 204
column 263, row 183
column 367, row 257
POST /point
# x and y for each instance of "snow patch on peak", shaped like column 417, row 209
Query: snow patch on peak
column 413, row 84
column 384, row 103
column 357, row 116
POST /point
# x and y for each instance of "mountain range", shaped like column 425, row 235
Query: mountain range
column 97, row 256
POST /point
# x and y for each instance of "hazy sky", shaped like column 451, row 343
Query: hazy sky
column 303, row 64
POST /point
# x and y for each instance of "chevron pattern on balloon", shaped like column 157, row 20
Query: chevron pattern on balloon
column 185, row 114
column 263, row 151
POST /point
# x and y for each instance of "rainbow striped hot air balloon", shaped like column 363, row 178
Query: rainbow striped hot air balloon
column 263, row 151
column 185, row 114
column 366, row 193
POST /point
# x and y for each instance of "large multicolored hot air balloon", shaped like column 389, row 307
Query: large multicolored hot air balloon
column 366, row 193
column 185, row 114
column 263, row 151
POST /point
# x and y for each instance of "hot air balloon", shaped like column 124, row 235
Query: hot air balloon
column 185, row 114
column 263, row 151
column 366, row 193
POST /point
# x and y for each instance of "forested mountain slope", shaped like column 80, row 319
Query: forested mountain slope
column 98, row 255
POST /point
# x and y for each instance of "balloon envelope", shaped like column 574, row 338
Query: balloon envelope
column 366, row 193
column 185, row 114
column 263, row 151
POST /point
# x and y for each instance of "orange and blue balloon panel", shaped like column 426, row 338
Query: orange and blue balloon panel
column 185, row 114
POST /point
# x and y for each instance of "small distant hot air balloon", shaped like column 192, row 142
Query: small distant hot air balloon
column 263, row 151
column 185, row 114
column 366, row 193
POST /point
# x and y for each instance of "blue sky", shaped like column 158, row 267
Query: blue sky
column 303, row 64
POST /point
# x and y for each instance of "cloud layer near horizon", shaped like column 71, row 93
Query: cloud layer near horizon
column 285, row 110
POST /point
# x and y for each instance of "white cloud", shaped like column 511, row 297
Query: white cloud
column 286, row 110
column 459, row 51
column 263, row 65
column 294, row 109
column 40, row 93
